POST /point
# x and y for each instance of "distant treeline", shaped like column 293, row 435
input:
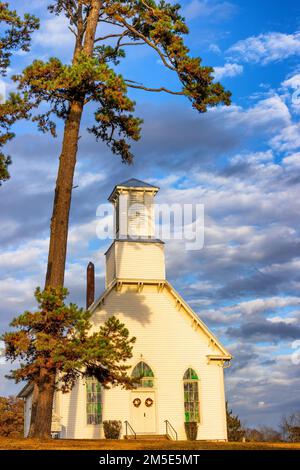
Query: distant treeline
column 289, row 429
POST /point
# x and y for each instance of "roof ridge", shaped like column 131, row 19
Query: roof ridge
column 135, row 182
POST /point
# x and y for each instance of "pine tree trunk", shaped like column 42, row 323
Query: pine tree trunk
column 62, row 199
column 41, row 421
column 46, row 389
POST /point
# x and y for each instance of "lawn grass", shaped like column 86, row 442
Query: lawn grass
column 102, row 444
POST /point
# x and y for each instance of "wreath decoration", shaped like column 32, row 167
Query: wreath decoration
column 136, row 402
column 148, row 402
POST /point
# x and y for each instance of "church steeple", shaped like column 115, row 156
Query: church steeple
column 135, row 254
column 134, row 210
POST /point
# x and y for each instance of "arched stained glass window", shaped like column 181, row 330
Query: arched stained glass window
column 191, row 396
column 144, row 375
column 190, row 374
column 93, row 401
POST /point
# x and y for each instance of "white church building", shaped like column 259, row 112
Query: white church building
column 179, row 362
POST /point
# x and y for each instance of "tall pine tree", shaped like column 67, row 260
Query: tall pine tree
column 55, row 347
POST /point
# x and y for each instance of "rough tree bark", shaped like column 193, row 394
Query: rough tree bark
column 41, row 420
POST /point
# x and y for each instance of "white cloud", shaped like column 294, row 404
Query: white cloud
column 291, row 91
column 228, row 70
column 257, row 306
column 16, row 294
column 268, row 114
column 214, row 48
column 22, row 257
column 85, row 179
column 279, row 319
column 257, row 157
column 266, row 48
column 292, row 161
column 250, row 308
column 288, row 139
column 82, row 234
column 54, row 32
column 292, row 82
column 209, row 8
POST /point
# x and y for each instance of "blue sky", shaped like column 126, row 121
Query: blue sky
column 242, row 162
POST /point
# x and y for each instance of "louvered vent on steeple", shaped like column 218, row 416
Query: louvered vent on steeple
column 134, row 210
column 138, row 215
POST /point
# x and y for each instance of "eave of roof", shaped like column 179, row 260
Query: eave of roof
column 25, row 391
column 130, row 184
column 135, row 240
column 135, row 183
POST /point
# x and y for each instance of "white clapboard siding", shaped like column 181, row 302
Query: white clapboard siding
column 73, row 415
column 110, row 265
column 135, row 260
column 168, row 343
column 27, row 413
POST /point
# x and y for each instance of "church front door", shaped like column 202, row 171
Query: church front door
column 143, row 412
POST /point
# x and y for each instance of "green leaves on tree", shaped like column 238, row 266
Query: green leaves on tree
column 59, row 338
column 16, row 35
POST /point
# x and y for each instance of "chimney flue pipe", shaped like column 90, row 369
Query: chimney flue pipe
column 90, row 284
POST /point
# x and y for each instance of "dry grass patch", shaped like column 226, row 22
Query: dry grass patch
column 139, row 444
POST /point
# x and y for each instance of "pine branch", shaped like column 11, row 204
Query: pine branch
column 156, row 90
column 108, row 36
column 123, row 44
column 135, row 32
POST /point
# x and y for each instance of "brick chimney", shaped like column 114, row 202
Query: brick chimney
column 90, row 284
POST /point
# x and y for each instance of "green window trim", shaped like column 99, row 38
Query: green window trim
column 93, row 401
column 144, row 375
column 190, row 374
column 191, row 396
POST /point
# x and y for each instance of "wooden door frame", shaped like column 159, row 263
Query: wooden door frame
column 144, row 391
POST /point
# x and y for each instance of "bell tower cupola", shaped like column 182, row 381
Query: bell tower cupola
column 134, row 209
column 135, row 253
